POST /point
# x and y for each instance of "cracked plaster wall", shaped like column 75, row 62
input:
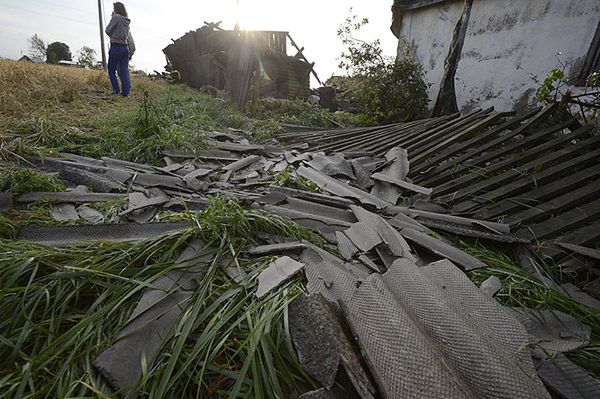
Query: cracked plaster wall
column 508, row 43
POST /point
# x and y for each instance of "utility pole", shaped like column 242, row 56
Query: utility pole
column 101, row 34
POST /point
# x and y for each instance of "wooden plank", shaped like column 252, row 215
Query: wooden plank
column 539, row 195
column 557, row 205
column 422, row 156
column 566, row 221
column 465, row 145
column 523, row 183
column 312, row 69
column 475, row 152
column 555, row 165
column 525, row 160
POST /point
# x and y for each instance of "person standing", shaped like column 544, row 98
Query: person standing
column 121, row 49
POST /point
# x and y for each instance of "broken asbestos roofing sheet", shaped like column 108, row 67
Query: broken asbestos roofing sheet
column 428, row 332
column 153, row 320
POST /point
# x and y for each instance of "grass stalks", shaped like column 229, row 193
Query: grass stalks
column 60, row 308
column 523, row 289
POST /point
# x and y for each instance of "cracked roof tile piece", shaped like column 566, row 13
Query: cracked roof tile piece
column 151, row 324
column 284, row 247
column 565, row 377
column 6, row 202
column 442, row 249
column 242, row 163
column 64, row 212
column 405, row 186
column 363, row 236
column 90, row 214
column 491, row 286
column 345, row 246
column 396, row 168
column 554, row 331
column 341, row 189
column 278, row 272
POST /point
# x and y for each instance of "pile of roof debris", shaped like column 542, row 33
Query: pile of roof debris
column 393, row 308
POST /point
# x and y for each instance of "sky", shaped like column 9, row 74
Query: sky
column 312, row 23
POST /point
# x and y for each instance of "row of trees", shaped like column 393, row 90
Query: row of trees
column 57, row 51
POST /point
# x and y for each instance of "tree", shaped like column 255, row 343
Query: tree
column 87, row 57
column 382, row 90
column 37, row 47
column 58, row 51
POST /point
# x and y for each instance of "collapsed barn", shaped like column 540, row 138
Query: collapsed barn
column 238, row 61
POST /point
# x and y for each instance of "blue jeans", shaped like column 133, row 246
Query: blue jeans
column 118, row 62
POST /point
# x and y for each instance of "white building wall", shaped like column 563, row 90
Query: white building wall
column 508, row 44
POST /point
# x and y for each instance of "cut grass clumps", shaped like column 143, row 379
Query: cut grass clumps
column 522, row 289
column 61, row 308
column 24, row 180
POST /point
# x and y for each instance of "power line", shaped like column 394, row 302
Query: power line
column 46, row 14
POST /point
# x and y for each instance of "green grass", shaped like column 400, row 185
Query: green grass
column 25, row 180
column 522, row 289
column 60, row 308
column 285, row 178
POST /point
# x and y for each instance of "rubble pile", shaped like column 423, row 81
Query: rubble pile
column 389, row 310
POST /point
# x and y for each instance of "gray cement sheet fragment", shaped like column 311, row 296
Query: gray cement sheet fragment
column 198, row 174
column 581, row 250
column 396, row 168
column 64, row 236
column 362, row 177
column 394, row 241
column 325, row 199
column 234, row 272
column 498, row 228
column 82, row 159
column 210, row 154
column 341, row 189
column 6, row 202
column 120, row 176
column 242, row 163
column 153, row 321
column 428, row 206
column 273, row 198
column 281, row 248
column 580, row 296
column 566, row 378
column 325, row 275
column 363, row 236
column 117, row 163
column 315, row 338
column 90, row 214
column 280, row 166
column 144, row 215
column 405, row 186
column 358, row 269
column 401, row 221
column 491, row 286
column 320, row 210
column 346, row 247
column 300, row 216
column 155, row 180
column 278, row 272
column 553, row 331
column 321, row 393
column 473, row 231
column 369, row 263
column 294, row 157
column 64, row 212
column 139, row 201
column 334, row 165
column 429, row 332
column 442, row 249
column 237, row 147
column 94, row 181
column 74, row 197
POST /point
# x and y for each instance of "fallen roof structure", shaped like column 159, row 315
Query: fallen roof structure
column 236, row 60
column 391, row 311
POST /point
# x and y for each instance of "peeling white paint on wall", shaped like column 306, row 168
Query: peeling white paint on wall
column 508, row 44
